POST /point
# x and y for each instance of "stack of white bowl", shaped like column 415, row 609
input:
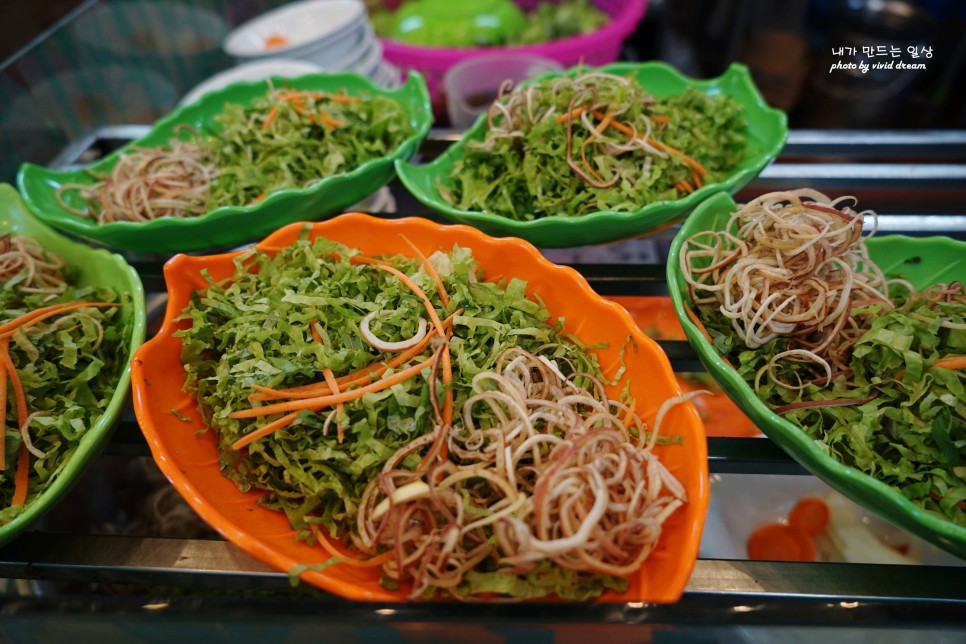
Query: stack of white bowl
column 335, row 35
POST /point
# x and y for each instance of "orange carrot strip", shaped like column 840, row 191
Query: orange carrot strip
column 21, row 477
column 339, row 407
column 574, row 113
column 950, row 362
column 696, row 179
column 356, row 377
column 272, row 113
column 371, row 562
column 321, row 402
column 38, row 315
column 270, row 428
column 414, row 287
column 447, row 380
column 620, row 127
column 363, row 259
column 660, row 119
column 429, row 269
column 331, row 122
column 332, row 383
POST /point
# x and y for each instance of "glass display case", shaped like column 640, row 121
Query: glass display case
column 95, row 569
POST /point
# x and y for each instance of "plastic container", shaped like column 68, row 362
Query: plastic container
column 470, row 86
column 596, row 48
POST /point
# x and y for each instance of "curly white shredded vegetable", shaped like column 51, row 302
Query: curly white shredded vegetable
column 557, row 473
column 791, row 264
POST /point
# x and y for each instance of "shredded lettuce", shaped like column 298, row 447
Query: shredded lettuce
column 255, row 329
column 524, row 174
column 69, row 371
column 297, row 148
column 912, row 434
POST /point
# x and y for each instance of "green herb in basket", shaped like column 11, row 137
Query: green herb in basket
column 570, row 146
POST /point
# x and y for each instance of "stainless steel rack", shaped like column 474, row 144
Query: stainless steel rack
column 915, row 180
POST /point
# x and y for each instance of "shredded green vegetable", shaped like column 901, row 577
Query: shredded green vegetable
column 552, row 21
column 912, row 433
column 620, row 149
column 255, row 329
column 69, row 366
column 308, row 137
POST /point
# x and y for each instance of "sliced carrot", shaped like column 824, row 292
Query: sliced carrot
column 660, row 119
column 621, row 127
column 38, row 315
column 440, row 289
column 572, row 114
column 778, row 542
column 339, row 407
column 950, row 362
column 275, row 41
column 21, row 478
column 272, row 113
column 321, row 402
column 371, row 562
column 356, row 377
column 810, row 515
column 414, row 287
column 21, row 399
column 331, row 122
column 265, row 430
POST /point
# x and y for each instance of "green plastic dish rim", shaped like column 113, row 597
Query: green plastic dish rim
column 819, row 461
column 736, row 73
column 100, row 432
column 88, row 228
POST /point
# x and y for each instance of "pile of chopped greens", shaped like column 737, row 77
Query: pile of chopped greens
column 596, row 142
column 553, row 21
column 69, row 366
column 291, row 139
column 907, row 427
column 255, row 329
column 433, row 23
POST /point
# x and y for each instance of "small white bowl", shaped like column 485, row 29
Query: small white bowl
column 308, row 26
column 254, row 71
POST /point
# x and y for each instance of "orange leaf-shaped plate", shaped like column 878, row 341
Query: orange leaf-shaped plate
column 189, row 458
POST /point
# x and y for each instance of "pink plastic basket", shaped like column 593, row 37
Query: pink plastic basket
column 597, row 48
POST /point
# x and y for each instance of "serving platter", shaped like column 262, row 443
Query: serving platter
column 766, row 130
column 189, row 457
column 920, row 260
column 230, row 225
column 94, row 267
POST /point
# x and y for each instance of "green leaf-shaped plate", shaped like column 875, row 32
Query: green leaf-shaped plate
column 231, row 225
column 766, row 132
column 94, row 267
column 922, row 261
